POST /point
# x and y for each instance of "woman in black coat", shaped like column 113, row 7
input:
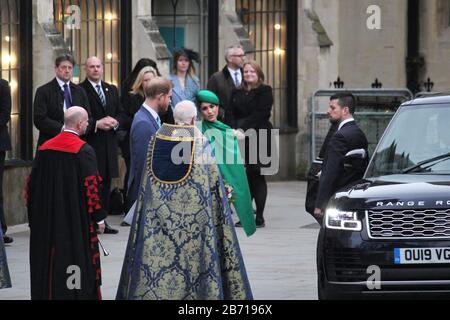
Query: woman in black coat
column 251, row 108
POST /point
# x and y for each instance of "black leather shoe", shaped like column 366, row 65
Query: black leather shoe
column 260, row 223
column 109, row 230
column 124, row 224
column 238, row 224
column 7, row 240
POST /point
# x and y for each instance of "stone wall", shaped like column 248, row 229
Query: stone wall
column 14, row 180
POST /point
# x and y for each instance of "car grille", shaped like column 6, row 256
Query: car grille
column 409, row 224
column 345, row 265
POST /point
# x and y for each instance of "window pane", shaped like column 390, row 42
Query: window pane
column 99, row 34
column 265, row 22
column 10, row 65
column 191, row 28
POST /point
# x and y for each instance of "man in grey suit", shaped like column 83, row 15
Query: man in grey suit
column 146, row 122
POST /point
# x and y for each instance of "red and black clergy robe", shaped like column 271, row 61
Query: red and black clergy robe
column 63, row 207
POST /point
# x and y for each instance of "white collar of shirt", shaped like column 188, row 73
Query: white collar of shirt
column 71, row 131
column 344, row 122
column 232, row 72
column 152, row 112
column 95, row 84
column 62, row 83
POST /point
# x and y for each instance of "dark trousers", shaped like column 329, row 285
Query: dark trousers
column 125, row 150
column 2, row 213
column 258, row 189
column 105, row 192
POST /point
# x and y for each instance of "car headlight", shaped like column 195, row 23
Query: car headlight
column 342, row 220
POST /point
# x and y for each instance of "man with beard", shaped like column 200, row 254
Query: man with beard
column 65, row 214
column 346, row 156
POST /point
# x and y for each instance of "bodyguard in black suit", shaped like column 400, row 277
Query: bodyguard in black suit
column 346, row 157
column 106, row 117
column 5, row 145
column 55, row 97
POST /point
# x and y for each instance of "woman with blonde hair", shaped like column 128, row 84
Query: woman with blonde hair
column 251, row 108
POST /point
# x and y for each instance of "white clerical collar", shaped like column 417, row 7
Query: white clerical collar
column 345, row 122
column 152, row 112
column 71, row 131
column 62, row 83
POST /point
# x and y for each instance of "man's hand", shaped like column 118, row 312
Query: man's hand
column 318, row 213
column 107, row 124
column 101, row 228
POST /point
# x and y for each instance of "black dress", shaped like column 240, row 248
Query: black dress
column 252, row 110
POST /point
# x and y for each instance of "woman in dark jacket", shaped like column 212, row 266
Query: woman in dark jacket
column 251, row 108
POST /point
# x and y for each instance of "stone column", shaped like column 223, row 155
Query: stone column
column 147, row 41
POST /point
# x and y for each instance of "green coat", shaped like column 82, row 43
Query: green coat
column 231, row 167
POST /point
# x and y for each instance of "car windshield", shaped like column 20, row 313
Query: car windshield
column 416, row 142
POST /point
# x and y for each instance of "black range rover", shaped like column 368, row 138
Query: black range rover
column 388, row 235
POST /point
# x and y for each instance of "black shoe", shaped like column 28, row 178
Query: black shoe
column 125, row 224
column 260, row 223
column 7, row 240
column 238, row 224
column 109, row 230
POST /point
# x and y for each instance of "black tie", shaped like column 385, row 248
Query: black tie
column 67, row 98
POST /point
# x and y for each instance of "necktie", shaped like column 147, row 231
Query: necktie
column 101, row 95
column 67, row 98
column 236, row 79
column 158, row 121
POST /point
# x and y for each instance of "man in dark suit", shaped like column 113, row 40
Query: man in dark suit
column 346, row 155
column 146, row 122
column 54, row 98
column 230, row 77
column 106, row 116
column 5, row 145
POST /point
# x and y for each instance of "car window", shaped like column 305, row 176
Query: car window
column 414, row 135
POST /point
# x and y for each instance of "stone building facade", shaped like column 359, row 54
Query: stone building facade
column 303, row 46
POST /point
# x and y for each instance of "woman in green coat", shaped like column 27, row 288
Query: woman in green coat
column 224, row 142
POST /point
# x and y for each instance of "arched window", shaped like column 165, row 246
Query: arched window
column 91, row 28
column 10, row 66
column 266, row 24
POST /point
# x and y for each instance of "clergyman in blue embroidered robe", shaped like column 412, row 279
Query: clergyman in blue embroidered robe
column 182, row 243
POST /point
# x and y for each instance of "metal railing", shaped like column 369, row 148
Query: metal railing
column 378, row 105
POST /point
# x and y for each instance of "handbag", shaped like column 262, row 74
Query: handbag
column 312, row 187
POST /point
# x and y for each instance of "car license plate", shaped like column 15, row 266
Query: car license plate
column 421, row 255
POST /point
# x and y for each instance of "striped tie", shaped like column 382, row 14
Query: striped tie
column 101, row 95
